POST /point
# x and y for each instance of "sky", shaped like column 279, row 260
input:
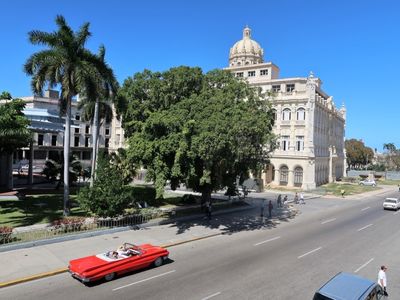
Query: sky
column 352, row 46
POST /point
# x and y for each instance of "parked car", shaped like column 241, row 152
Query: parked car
column 129, row 257
column 348, row 286
column 369, row 182
column 391, row 203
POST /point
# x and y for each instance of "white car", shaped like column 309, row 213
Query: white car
column 367, row 182
column 391, row 203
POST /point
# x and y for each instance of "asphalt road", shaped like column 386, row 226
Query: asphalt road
column 290, row 261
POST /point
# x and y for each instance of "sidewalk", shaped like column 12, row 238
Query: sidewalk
column 45, row 260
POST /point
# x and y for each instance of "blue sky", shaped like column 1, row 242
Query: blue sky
column 353, row 46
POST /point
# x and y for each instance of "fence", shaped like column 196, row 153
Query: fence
column 70, row 226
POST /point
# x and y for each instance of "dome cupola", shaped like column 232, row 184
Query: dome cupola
column 246, row 51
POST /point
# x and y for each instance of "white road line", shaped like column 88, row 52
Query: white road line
column 327, row 221
column 159, row 275
column 213, row 295
column 365, row 208
column 263, row 242
column 356, row 271
column 312, row 251
column 365, row 227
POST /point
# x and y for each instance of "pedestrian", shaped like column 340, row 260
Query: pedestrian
column 208, row 210
column 285, row 200
column 270, row 207
column 296, row 198
column 279, row 200
column 382, row 279
column 302, row 199
column 342, row 192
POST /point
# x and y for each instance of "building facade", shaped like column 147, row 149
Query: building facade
column 310, row 129
column 48, row 143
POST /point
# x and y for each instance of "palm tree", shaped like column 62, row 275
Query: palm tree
column 101, row 87
column 65, row 63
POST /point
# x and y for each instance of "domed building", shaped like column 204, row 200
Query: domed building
column 310, row 129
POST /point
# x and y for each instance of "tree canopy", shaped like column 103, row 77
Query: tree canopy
column 203, row 130
column 358, row 155
column 14, row 132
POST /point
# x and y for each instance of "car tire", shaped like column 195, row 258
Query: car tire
column 158, row 262
column 109, row 277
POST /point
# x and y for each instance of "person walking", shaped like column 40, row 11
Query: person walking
column 382, row 279
column 296, row 198
column 342, row 192
column 270, row 207
column 302, row 199
column 208, row 210
column 279, row 201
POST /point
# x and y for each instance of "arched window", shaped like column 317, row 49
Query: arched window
column 301, row 114
column 284, row 175
column 286, row 114
column 298, row 176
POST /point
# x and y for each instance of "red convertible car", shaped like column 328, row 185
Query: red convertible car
column 126, row 258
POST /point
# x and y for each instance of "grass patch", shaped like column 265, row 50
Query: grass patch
column 35, row 209
column 349, row 189
column 388, row 182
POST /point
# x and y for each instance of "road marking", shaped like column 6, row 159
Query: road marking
column 159, row 275
column 213, row 295
column 327, row 221
column 312, row 251
column 365, row 208
column 365, row 227
column 363, row 265
column 263, row 242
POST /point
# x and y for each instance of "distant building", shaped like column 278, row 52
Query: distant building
column 310, row 128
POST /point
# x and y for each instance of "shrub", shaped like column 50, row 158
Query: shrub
column 189, row 199
column 142, row 194
column 68, row 224
column 5, row 234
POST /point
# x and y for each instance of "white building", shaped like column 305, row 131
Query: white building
column 310, row 128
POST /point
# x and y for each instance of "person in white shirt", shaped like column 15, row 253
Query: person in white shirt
column 382, row 279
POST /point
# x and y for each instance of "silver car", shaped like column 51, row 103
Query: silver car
column 367, row 182
column 391, row 203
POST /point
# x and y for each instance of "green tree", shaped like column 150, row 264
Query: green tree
column 109, row 196
column 14, row 132
column 203, row 130
column 96, row 103
column 65, row 63
column 54, row 169
column 126, row 168
column 392, row 156
column 358, row 155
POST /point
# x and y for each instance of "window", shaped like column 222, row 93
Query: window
column 87, row 128
column 298, row 176
column 284, row 175
column 285, row 142
column 86, row 141
column 40, row 139
column 299, row 143
column 54, row 140
column 301, row 114
column 76, row 141
column 106, row 142
column 77, row 117
column 86, row 155
column 251, row 73
column 286, row 114
column 289, row 88
column 77, row 130
column 264, row 72
column 274, row 114
column 107, row 130
column 239, row 74
column 276, row 88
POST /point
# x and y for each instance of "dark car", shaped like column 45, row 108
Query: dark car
column 345, row 286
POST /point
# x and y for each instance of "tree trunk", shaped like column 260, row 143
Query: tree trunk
column 67, row 143
column 205, row 196
column 95, row 137
column 10, row 183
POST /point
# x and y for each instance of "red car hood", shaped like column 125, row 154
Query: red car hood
column 86, row 264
